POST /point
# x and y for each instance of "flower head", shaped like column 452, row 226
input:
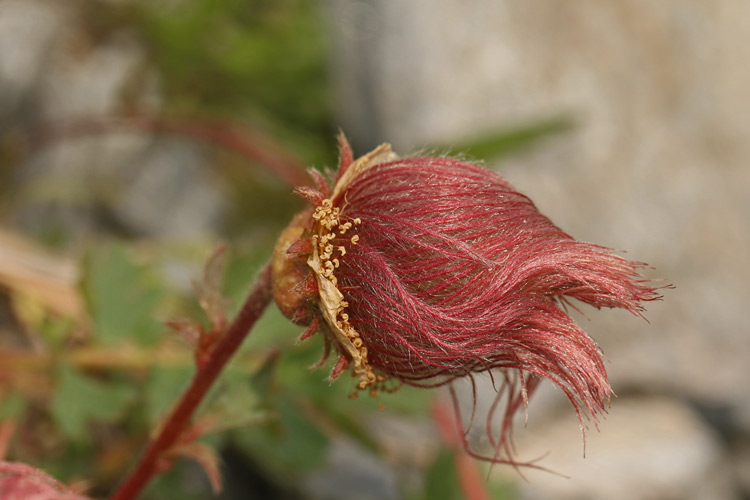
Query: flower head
column 422, row 270
column 19, row 481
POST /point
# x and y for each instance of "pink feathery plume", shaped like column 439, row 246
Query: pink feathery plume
column 22, row 482
column 448, row 271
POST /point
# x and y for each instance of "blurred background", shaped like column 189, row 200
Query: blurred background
column 135, row 136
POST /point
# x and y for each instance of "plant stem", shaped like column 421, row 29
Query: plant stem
column 148, row 465
column 241, row 138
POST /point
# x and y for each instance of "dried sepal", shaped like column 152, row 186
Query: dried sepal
column 214, row 305
column 341, row 363
column 310, row 330
column 381, row 154
column 346, row 157
column 312, row 196
column 187, row 330
column 321, row 184
column 326, row 353
column 206, row 456
column 302, row 246
column 209, row 290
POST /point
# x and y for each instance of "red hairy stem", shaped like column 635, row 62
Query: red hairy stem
column 175, row 425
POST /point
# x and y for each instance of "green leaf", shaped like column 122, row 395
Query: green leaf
column 165, row 385
column 11, row 406
column 441, row 482
column 290, row 443
column 235, row 401
column 511, row 140
column 263, row 380
column 122, row 297
column 240, row 274
column 503, row 489
column 80, row 400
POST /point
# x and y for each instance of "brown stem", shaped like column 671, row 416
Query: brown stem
column 244, row 140
column 175, row 425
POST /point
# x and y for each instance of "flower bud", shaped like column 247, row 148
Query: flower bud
column 429, row 269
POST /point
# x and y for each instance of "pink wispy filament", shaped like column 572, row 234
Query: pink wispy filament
column 455, row 272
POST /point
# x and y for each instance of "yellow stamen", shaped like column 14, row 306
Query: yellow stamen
column 332, row 304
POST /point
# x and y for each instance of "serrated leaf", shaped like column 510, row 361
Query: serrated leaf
column 303, row 444
column 234, row 403
column 209, row 290
column 122, row 298
column 80, row 400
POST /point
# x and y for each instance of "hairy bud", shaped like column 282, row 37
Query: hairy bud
column 429, row 269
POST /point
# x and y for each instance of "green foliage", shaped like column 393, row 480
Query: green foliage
column 80, row 401
column 11, row 406
column 164, row 386
column 502, row 490
column 441, row 482
column 123, row 297
column 253, row 60
column 506, row 141
column 240, row 272
column 287, row 446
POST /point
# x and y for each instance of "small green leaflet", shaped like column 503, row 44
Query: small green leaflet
column 81, row 400
column 122, row 297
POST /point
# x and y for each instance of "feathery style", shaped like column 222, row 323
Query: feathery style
column 422, row 270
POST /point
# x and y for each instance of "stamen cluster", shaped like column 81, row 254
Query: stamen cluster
column 323, row 263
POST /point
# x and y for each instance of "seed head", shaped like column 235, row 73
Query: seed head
column 429, row 269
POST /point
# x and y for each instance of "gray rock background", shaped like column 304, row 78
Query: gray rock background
column 132, row 184
column 657, row 165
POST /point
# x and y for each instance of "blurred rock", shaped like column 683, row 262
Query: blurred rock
column 352, row 474
column 173, row 193
column 648, row 449
column 90, row 77
column 741, row 470
column 28, row 29
column 104, row 180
